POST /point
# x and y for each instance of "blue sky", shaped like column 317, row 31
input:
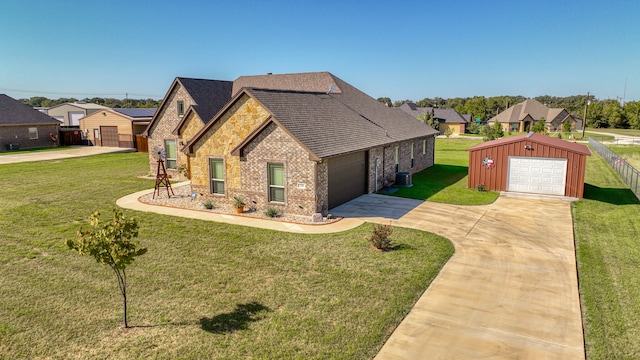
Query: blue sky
column 398, row 49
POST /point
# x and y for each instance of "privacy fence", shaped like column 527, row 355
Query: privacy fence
column 629, row 174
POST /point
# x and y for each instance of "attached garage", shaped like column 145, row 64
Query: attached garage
column 347, row 177
column 530, row 163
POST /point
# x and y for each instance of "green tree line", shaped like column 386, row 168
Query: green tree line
column 40, row 101
column 600, row 114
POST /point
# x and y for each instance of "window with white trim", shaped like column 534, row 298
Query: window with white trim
column 33, row 133
column 397, row 158
column 276, row 182
column 180, row 106
column 216, row 167
column 412, row 158
column 172, row 154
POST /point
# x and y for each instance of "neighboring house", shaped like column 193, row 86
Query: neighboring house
column 447, row 118
column 530, row 163
column 188, row 105
column 523, row 116
column 304, row 143
column 21, row 126
column 116, row 127
column 69, row 114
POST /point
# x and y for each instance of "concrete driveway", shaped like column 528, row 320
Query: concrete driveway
column 510, row 291
column 75, row 151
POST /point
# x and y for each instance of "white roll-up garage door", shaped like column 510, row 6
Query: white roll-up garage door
column 537, row 175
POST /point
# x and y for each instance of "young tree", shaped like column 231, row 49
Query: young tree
column 566, row 126
column 498, row 130
column 429, row 119
column 110, row 244
column 540, row 127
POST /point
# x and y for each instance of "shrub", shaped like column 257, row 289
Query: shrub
column 272, row 211
column 481, row 187
column 380, row 237
column 209, row 205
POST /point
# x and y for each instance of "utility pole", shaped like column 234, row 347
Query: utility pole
column 584, row 120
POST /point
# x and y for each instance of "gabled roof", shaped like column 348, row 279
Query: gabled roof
column 536, row 139
column 446, row 115
column 137, row 112
column 531, row 107
column 209, row 95
column 322, row 82
column 331, row 123
column 13, row 112
column 82, row 105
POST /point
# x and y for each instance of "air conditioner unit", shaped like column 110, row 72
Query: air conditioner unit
column 403, row 179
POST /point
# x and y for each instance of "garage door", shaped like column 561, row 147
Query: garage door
column 74, row 118
column 537, row 175
column 347, row 178
column 109, row 136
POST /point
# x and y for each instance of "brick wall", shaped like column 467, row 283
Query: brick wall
column 273, row 145
column 387, row 160
column 20, row 135
column 162, row 128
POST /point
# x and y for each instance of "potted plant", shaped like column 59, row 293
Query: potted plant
column 238, row 204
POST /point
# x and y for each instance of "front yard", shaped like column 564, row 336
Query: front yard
column 203, row 290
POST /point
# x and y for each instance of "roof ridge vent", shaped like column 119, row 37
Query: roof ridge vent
column 530, row 134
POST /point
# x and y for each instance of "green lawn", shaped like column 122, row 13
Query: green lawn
column 203, row 290
column 607, row 230
column 49, row 148
column 446, row 180
column 628, row 132
column 631, row 153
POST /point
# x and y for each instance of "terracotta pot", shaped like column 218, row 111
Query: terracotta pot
column 239, row 209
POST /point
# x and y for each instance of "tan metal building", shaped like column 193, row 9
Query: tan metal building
column 529, row 163
column 116, row 127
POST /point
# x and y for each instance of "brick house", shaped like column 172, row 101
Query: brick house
column 523, row 116
column 304, row 143
column 187, row 106
column 22, row 126
column 447, row 118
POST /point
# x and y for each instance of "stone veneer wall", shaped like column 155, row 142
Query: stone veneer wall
column 243, row 117
column 189, row 128
column 274, row 145
column 162, row 129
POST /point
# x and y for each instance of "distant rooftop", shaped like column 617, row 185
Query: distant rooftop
column 136, row 112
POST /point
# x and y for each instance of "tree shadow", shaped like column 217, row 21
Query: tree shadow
column 238, row 319
column 614, row 196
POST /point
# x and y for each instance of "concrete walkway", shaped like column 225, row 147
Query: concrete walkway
column 510, row 291
column 75, row 151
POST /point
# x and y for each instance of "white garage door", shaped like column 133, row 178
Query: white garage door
column 537, row 175
column 74, row 118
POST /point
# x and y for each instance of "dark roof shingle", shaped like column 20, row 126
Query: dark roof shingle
column 13, row 112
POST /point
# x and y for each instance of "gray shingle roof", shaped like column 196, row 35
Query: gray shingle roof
column 209, row 95
column 531, row 107
column 446, row 115
column 321, row 82
column 342, row 121
column 13, row 112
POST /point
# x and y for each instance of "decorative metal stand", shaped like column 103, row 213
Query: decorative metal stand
column 162, row 179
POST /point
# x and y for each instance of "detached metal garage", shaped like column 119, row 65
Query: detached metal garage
column 530, row 163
